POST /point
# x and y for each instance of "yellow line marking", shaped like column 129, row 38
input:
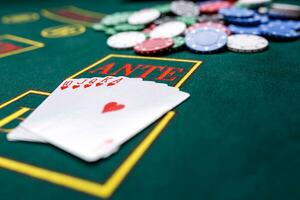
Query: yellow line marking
column 35, row 45
column 13, row 116
column 154, row 58
column 85, row 186
column 23, row 95
column 187, row 75
column 5, row 130
column 118, row 176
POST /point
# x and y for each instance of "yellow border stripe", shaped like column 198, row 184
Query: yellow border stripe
column 187, row 75
column 13, row 116
column 23, row 95
column 114, row 181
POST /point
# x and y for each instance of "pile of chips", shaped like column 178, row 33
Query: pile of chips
column 205, row 27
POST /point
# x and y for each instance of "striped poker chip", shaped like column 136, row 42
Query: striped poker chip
column 245, row 43
column 236, row 12
column 154, row 46
column 253, row 30
column 205, row 40
column 125, row 40
column 168, row 29
column 279, row 31
column 144, row 16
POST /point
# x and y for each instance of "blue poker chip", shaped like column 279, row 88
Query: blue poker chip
column 205, row 39
column 236, row 12
column 293, row 24
column 250, row 21
column 264, row 19
column 245, row 30
column 278, row 31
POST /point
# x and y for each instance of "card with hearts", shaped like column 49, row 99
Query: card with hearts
column 91, row 118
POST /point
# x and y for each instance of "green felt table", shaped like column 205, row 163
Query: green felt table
column 237, row 137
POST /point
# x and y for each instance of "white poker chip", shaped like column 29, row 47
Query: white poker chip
column 253, row 2
column 125, row 40
column 246, row 43
column 185, row 8
column 168, row 30
column 144, row 16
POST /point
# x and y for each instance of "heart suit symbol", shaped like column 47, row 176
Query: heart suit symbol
column 112, row 106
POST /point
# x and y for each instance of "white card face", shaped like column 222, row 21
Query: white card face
column 93, row 122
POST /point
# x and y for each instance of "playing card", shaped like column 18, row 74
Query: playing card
column 93, row 122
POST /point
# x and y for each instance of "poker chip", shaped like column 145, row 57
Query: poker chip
column 290, row 10
column 129, row 27
column 116, row 18
column 249, row 21
column 209, row 24
column 99, row 27
column 169, row 29
column 245, row 30
column 236, row 12
column 292, row 24
column 279, row 31
column 264, row 19
column 154, row 46
column 144, row 16
column 125, row 40
column 184, row 8
column 253, row 3
column 214, row 6
column 110, row 31
column 178, row 43
column 205, row 39
column 245, row 43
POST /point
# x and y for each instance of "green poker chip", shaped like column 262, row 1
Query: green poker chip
column 164, row 8
column 99, row 27
column 128, row 27
column 178, row 43
column 188, row 20
column 110, row 31
column 116, row 18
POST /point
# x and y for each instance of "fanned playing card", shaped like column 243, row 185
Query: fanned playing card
column 91, row 118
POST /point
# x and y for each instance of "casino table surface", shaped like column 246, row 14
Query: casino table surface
column 236, row 137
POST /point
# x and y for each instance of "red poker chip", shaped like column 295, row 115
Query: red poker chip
column 210, row 25
column 154, row 46
column 214, row 7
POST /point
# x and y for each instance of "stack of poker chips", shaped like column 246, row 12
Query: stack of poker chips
column 244, row 26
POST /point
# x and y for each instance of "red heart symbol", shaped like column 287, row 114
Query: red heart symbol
column 63, row 87
column 75, row 86
column 98, row 84
column 112, row 106
column 87, row 85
